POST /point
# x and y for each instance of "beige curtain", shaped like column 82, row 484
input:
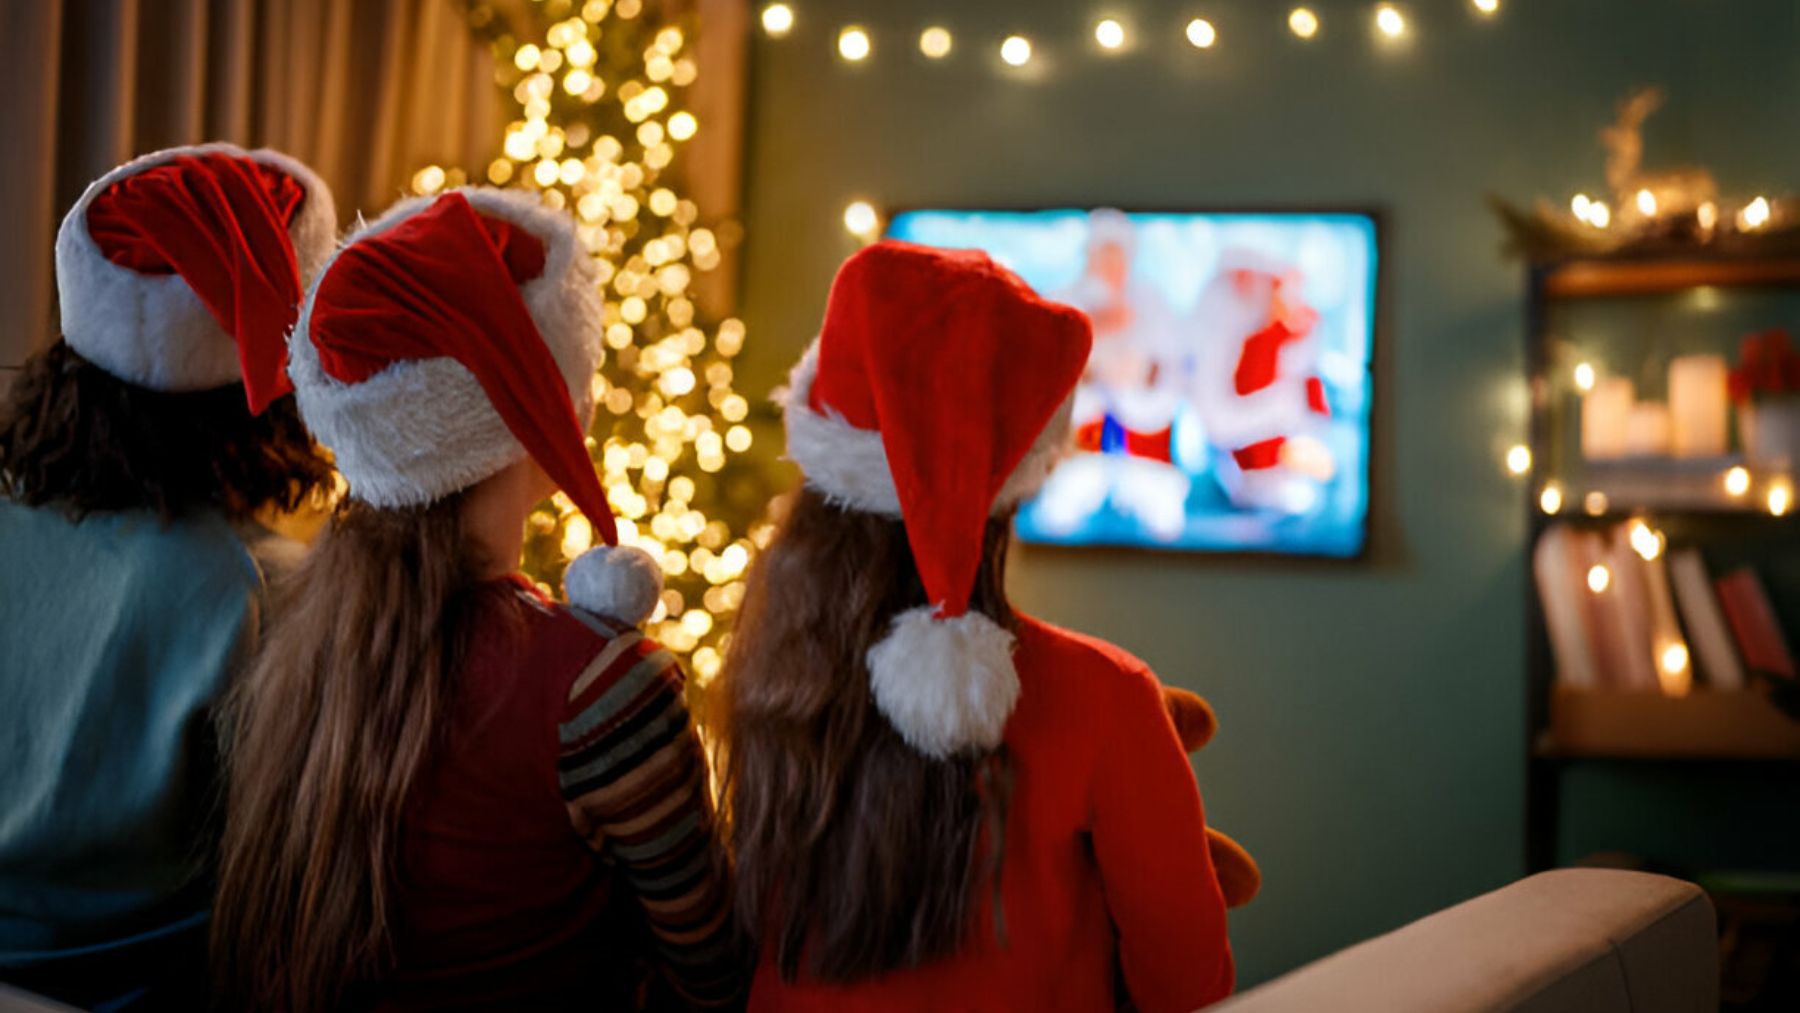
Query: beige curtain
column 366, row 91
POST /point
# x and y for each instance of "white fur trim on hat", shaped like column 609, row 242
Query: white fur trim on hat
column 621, row 582
column 418, row 431
column 849, row 466
column 152, row 329
column 946, row 685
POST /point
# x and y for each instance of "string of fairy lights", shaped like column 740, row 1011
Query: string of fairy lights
column 855, row 43
column 599, row 121
column 1113, row 36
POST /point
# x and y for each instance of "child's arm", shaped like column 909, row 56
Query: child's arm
column 634, row 779
column 1149, row 836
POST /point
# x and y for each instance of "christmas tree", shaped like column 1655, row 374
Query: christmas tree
column 600, row 123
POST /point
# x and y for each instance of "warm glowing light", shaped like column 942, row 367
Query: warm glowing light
column 526, row 57
column 1755, row 214
column 1389, row 21
column 1584, row 376
column 1737, row 481
column 1707, row 215
column 778, row 19
column 578, row 536
column 1595, row 503
column 1486, row 6
column 1673, row 671
column 1781, row 497
column 1579, row 205
column 853, row 44
column 1646, row 203
column 1518, row 459
column 1645, row 541
column 1599, row 578
column 935, row 42
column 1201, row 33
column 1551, row 499
column 1599, row 215
column 428, row 180
column 861, row 219
column 682, row 125
column 1016, row 50
column 1303, row 22
column 1109, row 33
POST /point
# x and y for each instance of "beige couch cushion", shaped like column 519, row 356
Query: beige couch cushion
column 1574, row 940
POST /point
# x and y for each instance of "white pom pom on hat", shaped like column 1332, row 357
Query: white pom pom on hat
column 620, row 582
column 939, row 392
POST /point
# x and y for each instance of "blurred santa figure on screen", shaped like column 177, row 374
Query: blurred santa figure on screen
column 1130, row 397
column 1257, row 384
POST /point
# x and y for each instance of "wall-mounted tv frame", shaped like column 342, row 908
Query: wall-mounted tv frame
column 1227, row 405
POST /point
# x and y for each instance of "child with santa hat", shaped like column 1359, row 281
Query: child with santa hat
column 446, row 789
column 936, row 801
column 136, row 453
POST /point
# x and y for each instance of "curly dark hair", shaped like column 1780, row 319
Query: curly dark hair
column 74, row 437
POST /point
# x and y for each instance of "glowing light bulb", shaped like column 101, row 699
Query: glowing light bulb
column 1646, row 542
column 1486, row 6
column 1599, row 215
column 1707, row 215
column 853, row 44
column 778, row 19
column 1584, row 376
column 1755, row 214
column 1303, row 22
column 1737, row 481
column 1646, row 203
column 1016, row 50
column 1551, row 499
column 1518, row 459
column 1675, row 658
column 1109, row 33
column 1781, row 497
column 1599, row 578
column 935, row 42
column 1201, row 33
column 1389, row 21
column 1595, row 503
column 1579, row 205
column 861, row 220
column 428, row 180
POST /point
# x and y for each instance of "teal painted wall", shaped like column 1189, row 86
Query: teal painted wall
column 1371, row 751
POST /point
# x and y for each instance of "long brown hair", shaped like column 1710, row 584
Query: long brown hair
column 328, row 732
column 77, row 438
column 855, row 854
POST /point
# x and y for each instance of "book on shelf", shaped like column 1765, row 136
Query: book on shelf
column 1709, row 638
column 1753, row 624
column 1626, row 602
column 1561, row 583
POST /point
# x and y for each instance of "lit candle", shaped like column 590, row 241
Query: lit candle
column 1605, row 412
column 1698, row 402
column 1647, row 429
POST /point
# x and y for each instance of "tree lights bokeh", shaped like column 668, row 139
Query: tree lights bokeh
column 599, row 123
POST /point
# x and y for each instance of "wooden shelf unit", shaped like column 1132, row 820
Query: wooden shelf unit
column 1565, row 727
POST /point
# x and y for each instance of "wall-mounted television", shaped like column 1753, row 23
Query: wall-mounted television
column 1225, row 407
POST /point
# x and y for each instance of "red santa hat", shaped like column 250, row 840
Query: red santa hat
column 452, row 337
column 183, row 270
column 938, row 392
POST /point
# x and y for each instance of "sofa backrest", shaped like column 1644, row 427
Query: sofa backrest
column 1568, row 941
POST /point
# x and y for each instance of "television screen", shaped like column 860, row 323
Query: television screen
column 1225, row 406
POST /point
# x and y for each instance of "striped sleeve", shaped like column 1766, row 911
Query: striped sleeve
column 634, row 779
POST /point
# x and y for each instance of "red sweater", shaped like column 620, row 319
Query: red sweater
column 558, row 844
column 1106, row 863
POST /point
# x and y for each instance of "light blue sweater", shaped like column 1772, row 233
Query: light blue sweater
column 117, row 636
